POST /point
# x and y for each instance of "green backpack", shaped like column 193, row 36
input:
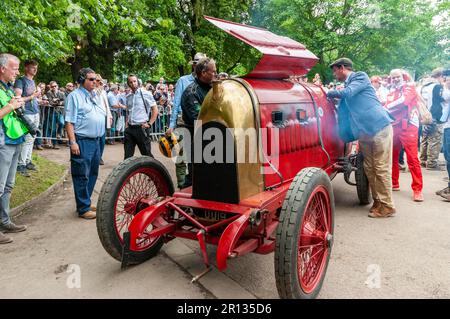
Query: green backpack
column 14, row 128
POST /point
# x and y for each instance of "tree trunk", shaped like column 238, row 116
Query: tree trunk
column 106, row 67
column 76, row 65
column 181, row 70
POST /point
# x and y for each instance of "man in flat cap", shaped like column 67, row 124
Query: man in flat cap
column 371, row 124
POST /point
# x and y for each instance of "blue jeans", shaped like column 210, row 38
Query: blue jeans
column 53, row 123
column 447, row 151
column 84, row 169
column 59, row 119
column 102, row 145
column 9, row 157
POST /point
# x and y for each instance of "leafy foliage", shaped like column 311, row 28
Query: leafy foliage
column 156, row 38
column 376, row 35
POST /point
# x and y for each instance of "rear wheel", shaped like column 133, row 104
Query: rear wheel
column 128, row 189
column 304, row 235
column 362, row 183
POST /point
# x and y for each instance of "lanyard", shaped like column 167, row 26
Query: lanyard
column 7, row 90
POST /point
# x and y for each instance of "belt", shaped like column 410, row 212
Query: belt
column 87, row 138
column 135, row 126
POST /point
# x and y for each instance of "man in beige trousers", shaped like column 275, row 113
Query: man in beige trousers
column 371, row 124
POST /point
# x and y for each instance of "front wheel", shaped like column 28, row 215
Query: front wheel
column 304, row 235
column 128, row 190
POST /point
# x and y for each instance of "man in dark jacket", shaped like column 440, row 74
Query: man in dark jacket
column 54, row 115
column 192, row 99
column 371, row 124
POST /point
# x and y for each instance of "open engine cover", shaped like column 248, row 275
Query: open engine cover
column 282, row 56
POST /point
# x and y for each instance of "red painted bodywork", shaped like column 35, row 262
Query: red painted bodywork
column 282, row 56
column 300, row 147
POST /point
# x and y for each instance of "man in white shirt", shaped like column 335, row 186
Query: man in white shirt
column 142, row 113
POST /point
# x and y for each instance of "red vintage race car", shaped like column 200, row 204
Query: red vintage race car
column 281, row 201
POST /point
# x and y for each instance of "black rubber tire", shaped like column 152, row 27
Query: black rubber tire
column 107, row 199
column 291, row 216
column 362, row 183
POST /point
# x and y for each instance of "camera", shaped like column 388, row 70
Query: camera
column 32, row 128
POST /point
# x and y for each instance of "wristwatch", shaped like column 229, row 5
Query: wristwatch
column 72, row 143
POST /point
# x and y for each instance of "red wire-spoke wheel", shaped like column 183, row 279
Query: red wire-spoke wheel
column 314, row 239
column 144, row 184
column 304, row 235
column 131, row 187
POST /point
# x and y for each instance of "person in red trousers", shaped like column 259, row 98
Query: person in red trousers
column 402, row 105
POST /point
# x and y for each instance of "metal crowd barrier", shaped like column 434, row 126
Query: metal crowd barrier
column 51, row 125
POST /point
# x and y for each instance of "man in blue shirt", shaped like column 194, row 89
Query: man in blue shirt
column 9, row 148
column 371, row 124
column 180, row 87
column 26, row 88
column 85, row 126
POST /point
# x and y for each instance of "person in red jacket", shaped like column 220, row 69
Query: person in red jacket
column 402, row 105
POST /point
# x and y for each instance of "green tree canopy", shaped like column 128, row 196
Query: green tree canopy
column 376, row 35
column 156, row 38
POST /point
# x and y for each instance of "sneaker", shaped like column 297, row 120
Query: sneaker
column 445, row 194
column 423, row 164
column 39, row 147
column 418, row 196
column 30, row 166
column 55, row 147
column 22, row 170
column 442, row 191
column 396, row 188
column 402, row 167
column 89, row 215
column 12, row 228
column 383, row 212
column 5, row 239
column 101, row 162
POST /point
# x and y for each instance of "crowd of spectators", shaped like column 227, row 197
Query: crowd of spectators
column 398, row 93
column 48, row 100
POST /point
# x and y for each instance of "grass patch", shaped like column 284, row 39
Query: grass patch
column 27, row 188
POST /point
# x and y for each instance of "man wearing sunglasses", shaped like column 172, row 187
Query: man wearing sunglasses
column 85, row 126
column 69, row 88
